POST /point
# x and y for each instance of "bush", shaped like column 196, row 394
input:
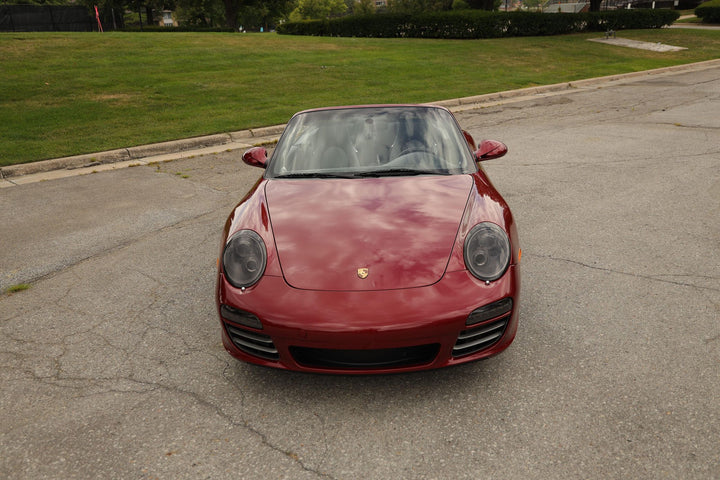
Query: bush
column 186, row 28
column 479, row 24
column 709, row 12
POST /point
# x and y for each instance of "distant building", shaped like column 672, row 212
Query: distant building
column 566, row 6
column 168, row 19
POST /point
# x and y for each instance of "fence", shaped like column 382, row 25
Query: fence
column 45, row 18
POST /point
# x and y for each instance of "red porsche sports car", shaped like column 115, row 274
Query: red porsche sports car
column 373, row 243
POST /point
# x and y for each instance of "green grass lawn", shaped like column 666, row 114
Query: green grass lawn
column 69, row 93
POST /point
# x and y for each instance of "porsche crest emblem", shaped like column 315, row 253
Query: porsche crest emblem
column 363, row 272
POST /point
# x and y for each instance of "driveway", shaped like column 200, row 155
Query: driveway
column 112, row 365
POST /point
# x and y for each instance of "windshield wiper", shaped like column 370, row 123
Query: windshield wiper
column 400, row 172
column 314, row 175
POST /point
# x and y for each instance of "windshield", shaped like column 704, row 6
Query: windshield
column 371, row 141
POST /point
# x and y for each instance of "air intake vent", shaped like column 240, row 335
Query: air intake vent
column 252, row 343
column 365, row 359
column 484, row 335
column 476, row 339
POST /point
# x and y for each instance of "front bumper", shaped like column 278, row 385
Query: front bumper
column 368, row 332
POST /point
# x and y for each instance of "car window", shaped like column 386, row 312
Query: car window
column 371, row 141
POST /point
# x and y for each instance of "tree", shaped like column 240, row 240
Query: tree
column 362, row 7
column 202, row 13
column 460, row 5
column 315, row 9
column 534, row 4
column 233, row 13
column 205, row 13
column 112, row 12
column 265, row 14
column 419, row 6
column 484, row 4
column 35, row 2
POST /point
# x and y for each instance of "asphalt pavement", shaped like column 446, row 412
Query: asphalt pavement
column 112, row 365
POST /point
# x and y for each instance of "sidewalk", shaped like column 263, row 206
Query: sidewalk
column 699, row 26
column 21, row 174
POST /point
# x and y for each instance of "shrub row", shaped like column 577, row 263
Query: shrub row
column 157, row 28
column 709, row 12
column 479, row 24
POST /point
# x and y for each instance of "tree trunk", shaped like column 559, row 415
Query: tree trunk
column 232, row 8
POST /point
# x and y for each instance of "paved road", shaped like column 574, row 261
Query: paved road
column 112, row 365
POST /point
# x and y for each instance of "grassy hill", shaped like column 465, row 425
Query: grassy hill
column 69, row 93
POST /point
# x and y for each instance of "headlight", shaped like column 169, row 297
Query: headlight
column 487, row 251
column 244, row 259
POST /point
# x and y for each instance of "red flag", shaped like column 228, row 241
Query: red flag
column 97, row 16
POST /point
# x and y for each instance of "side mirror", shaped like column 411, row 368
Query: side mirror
column 490, row 149
column 470, row 140
column 256, row 157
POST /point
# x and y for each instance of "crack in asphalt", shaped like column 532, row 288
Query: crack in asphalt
column 691, row 127
column 114, row 248
column 243, row 423
column 100, row 384
column 630, row 274
column 263, row 438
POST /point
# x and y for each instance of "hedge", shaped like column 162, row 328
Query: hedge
column 479, row 24
column 709, row 12
column 181, row 29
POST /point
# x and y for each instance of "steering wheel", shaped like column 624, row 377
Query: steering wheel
column 427, row 159
column 413, row 146
column 410, row 150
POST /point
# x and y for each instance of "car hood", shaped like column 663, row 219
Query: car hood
column 401, row 229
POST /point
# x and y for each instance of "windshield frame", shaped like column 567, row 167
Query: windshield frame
column 371, row 141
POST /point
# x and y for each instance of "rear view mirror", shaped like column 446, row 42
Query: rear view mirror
column 490, row 149
column 256, row 157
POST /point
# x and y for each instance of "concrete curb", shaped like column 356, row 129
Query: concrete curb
column 263, row 135
column 474, row 101
column 249, row 137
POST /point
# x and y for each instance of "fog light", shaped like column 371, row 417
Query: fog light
column 488, row 312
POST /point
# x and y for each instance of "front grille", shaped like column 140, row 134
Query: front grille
column 488, row 325
column 365, row 359
column 252, row 343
